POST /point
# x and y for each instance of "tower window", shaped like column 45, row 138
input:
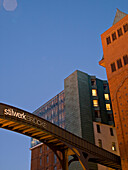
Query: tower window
column 111, row 132
column 100, row 143
column 108, row 39
column 97, row 114
column 114, row 36
column 108, row 107
column 119, row 63
column 94, row 92
column 106, row 96
column 113, row 67
column 110, row 118
column 125, row 58
column 105, row 86
column 125, row 27
column 98, row 128
column 113, row 146
column 93, row 82
column 95, row 103
column 120, row 32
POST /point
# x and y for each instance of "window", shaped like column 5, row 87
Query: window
column 106, row 96
column 55, row 168
column 94, row 92
column 100, row 143
column 55, row 159
column 95, row 103
column 105, row 86
column 93, row 82
column 98, row 128
column 108, row 40
column 113, row 146
column 40, row 161
column 41, row 149
column 114, row 36
column 110, row 117
column 113, row 67
column 119, row 63
column 97, row 114
column 119, row 32
column 125, row 58
column 108, row 107
column 47, row 158
column 125, row 27
column 111, row 132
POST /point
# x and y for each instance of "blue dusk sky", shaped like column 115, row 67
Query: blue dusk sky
column 41, row 43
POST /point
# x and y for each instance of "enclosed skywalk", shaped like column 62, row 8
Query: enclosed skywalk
column 58, row 139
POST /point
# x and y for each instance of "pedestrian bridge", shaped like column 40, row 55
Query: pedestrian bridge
column 56, row 138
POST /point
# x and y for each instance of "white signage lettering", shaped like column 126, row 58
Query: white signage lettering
column 15, row 114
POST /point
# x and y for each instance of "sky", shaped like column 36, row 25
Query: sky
column 41, row 43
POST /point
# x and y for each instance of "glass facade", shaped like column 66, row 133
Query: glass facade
column 53, row 111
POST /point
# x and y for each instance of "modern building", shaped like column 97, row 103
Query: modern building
column 83, row 108
column 115, row 60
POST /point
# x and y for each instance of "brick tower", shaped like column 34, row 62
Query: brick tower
column 115, row 60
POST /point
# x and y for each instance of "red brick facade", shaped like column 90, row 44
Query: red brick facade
column 115, row 49
column 42, row 158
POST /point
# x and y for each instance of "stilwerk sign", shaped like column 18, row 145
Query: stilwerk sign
column 25, row 116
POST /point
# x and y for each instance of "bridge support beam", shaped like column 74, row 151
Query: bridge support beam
column 65, row 160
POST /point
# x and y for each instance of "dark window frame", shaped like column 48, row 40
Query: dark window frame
column 98, row 128
column 114, row 37
column 119, row 63
column 125, row 59
column 113, row 67
column 108, row 40
column 125, row 28
column 119, row 31
column 111, row 132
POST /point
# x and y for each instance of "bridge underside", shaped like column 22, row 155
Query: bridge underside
column 58, row 139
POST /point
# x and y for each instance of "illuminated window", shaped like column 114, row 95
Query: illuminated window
column 108, row 40
column 113, row 146
column 106, row 96
column 100, row 143
column 94, row 92
column 114, row 36
column 95, row 103
column 119, row 32
column 108, row 107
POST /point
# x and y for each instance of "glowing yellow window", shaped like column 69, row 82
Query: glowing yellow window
column 108, row 107
column 95, row 103
column 106, row 96
column 94, row 92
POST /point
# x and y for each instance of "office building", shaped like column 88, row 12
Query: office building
column 83, row 104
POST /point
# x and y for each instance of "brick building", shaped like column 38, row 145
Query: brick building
column 84, row 102
column 115, row 60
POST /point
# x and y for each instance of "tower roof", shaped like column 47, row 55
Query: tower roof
column 119, row 15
